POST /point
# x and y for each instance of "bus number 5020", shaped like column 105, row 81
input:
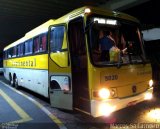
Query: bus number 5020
column 111, row 77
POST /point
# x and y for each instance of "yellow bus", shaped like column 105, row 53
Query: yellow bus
column 61, row 60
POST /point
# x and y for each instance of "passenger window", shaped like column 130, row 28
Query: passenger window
column 36, row 44
column 58, row 53
column 43, row 43
column 10, row 52
column 28, row 47
column 40, row 43
column 18, row 50
column 14, row 51
column 21, row 51
column 56, row 38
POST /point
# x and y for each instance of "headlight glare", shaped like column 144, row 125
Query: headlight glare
column 148, row 96
column 104, row 93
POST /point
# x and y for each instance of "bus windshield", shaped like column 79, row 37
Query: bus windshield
column 112, row 42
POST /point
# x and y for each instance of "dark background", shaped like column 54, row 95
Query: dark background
column 147, row 13
column 18, row 17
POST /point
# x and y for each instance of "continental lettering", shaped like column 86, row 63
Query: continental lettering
column 26, row 63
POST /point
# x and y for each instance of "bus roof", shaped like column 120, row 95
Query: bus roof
column 38, row 30
column 95, row 10
column 64, row 19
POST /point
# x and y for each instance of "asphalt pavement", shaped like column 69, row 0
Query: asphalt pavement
column 22, row 109
column 18, row 110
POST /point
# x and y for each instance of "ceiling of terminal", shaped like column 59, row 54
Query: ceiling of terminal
column 19, row 17
column 147, row 13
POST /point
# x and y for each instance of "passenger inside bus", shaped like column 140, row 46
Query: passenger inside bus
column 127, row 45
column 106, row 42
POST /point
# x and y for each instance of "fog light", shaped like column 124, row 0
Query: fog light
column 148, row 96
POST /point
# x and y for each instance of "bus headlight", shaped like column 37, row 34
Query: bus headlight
column 104, row 93
column 151, row 83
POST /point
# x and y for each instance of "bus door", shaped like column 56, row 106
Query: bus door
column 60, row 91
column 79, row 68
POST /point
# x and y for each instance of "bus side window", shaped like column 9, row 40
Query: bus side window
column 18, row 50
column 28, row 47
column 36, row 44
column 40, row 43
column 58, row 53
column 21, row 49
column 43, row 43
column 14, row 51
column 56, row 38
column 10, row 53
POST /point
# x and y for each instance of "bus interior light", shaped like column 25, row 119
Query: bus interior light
column 99, row 20
column 105, row 21
column 111, row 22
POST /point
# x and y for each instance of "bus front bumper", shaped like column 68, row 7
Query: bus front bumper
column 106, row 107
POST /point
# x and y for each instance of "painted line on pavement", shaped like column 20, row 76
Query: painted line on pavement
column 45, row 110
column 25, row 117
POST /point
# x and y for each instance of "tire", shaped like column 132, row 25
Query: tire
column 10, row 80
column 15, row 82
